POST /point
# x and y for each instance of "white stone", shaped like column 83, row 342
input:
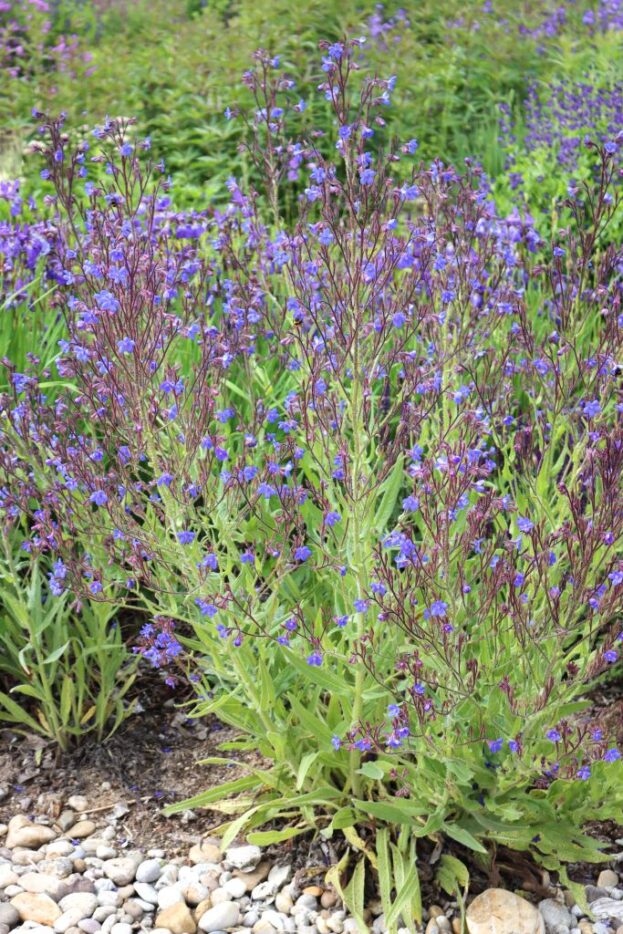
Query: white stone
column 121, row 870
column 146, row 892
column 148, row 871
column 235, row 887
column 169, row 896
column 220, row 917
column 8, row 876
column 36, row 907
column 608, row 908
column 109, row 899
column 84, row 902
column 41, row 882
column 220, row 895
column 243, row 857
column 69, row 919
column 24, row 833
column 496, row 911
column 280, row 875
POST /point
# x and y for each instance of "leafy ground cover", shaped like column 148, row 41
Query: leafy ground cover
column 311, row 402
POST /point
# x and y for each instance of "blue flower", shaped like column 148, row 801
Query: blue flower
column 99, row 497
column 524, row 524
column 126, row 345
column 410, row 504
column 611, row 755
column 554, row 736
column 185, row 537
column 315, row 659
column 591, row 409
column 302, row 553
column 495, row 744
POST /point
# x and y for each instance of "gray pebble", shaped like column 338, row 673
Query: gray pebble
column 9, row 915
column 89, row 925
column 149, row 871
column 146, row 892
column 113, row 899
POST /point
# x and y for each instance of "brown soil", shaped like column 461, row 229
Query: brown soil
column 153, row 759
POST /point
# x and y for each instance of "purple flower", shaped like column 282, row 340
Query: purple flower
column 366, row 176
column 495, row 744
column 99, row 497
column 410, row 504
column 126, row 345
column 332, row 518
column 611, row 755
column 302, row 553
column 591, row 409
column 185, row 537
column 524, row 524
column 584, row 773
column 315, row 659
column 553, row 736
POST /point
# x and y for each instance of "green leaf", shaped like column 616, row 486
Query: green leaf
column 205, row 798
column 371, row 770
column 16, row 714
column 384, row 868
column 354, row 895
column 398, row 813
column 56, row 654
column 306, row 763
column 391, row 488
column 266, row 837
column 345, row 817
column 463, row 836
column 452, row 874
column 403, row 897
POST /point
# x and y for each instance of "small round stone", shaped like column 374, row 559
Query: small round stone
column 235, row 887
column 9, row 915
column 148, row 871
column 220, row 917
column 77, row 803
column 607, row 879
column 89, row 926
column 121, row 928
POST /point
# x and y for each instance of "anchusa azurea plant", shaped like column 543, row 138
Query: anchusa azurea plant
column 364, row 469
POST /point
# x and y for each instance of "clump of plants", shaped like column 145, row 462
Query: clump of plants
column 560, row 124
column 361, row 472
